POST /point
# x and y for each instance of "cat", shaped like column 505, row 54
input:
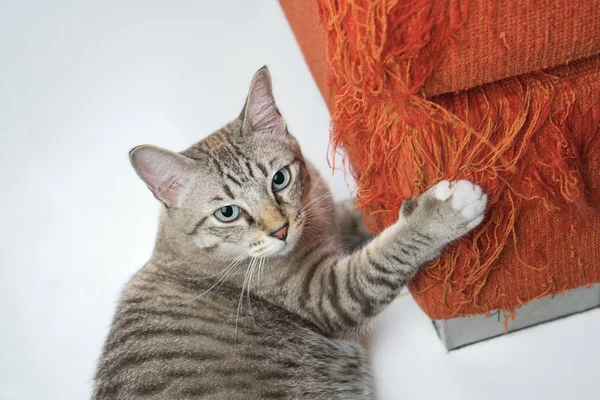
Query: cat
column 251, row 291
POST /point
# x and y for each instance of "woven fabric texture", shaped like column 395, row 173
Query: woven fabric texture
column 497, row 39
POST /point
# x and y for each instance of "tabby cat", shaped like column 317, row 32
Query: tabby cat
column 251, row 291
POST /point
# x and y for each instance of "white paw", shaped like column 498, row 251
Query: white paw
column 470, row 200
column 443, row 190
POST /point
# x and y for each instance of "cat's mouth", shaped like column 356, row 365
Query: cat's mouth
column 269, row 249
column 292, row 239
column 279, row 248
column 273, row 247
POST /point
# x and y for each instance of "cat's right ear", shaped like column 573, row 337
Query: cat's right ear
column 260, row 114
column 165, row 173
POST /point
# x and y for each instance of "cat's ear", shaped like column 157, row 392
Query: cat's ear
column 165, row 173
column 260, row 112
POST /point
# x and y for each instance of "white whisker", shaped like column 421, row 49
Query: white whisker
column 237, row 316
column 195, row 278
column 260, row 274
column 224, row 274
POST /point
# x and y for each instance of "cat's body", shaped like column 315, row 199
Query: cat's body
column 249, row 294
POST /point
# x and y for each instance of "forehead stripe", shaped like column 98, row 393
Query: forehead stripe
column 228, row 192
column 218, row 166
column 249, row 168
column 232, row 179
column 237, row 151
column 263, row 169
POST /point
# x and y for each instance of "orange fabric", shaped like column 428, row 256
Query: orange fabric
column 505, row 38
column 531, row 141
column 303, row 16
column 498, row 39
column 542, row 232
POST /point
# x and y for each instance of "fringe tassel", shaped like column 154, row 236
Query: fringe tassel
column 522, row 139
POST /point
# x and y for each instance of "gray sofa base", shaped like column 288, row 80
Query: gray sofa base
column 459, row 332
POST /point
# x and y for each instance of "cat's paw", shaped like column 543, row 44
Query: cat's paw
column 447, row 210
column 465, row 197
column 469, row 199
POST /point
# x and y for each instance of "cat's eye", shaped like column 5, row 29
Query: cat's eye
column 228, row 213
column 281, row 179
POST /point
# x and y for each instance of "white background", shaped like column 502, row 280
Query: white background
column 81, row 82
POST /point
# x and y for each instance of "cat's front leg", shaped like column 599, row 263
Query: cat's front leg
column 349, row 222
column 349, row 292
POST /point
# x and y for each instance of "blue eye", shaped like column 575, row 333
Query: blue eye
column 228, row 213
column 281, row 179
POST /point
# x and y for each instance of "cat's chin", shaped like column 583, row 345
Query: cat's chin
column 278, row 250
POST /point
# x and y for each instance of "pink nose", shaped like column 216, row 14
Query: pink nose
column 281, row 233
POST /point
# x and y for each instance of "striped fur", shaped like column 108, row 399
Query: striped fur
column 225, row 311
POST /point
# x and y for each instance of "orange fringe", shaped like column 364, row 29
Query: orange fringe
column 522, row 139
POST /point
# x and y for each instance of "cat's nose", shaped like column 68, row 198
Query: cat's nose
column 280, row 233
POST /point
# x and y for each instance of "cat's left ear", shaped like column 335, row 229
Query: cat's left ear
column 260, row 112
column 165, row 173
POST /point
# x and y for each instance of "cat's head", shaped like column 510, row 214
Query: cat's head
column 240, row 191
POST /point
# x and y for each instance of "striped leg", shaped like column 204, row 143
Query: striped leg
column 341, row 295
